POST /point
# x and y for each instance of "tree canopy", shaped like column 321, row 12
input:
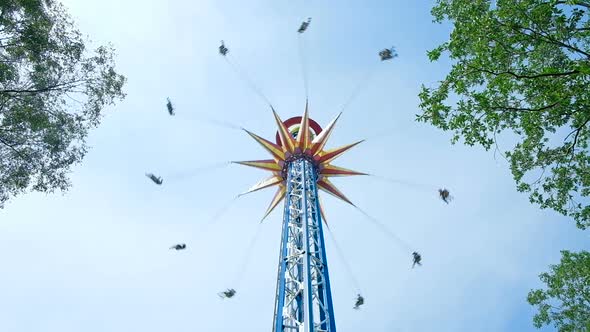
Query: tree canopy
column 521, row 68
column 52, row 91
column 566, row 302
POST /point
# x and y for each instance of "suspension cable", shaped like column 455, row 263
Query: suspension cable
column 246, row 258
column 237, row 69
column 204, row 228
column 220, row 212
column 219, row 123
column 362, row 84
column 340, row 253
column 384, row 133
column 303, row 63
column 178, row 176
column 249, row 82
column 406, row 183
column 403, row 244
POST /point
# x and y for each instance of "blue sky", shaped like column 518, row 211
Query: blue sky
column 97, row 258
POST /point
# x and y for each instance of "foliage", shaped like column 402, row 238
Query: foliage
column 51, row 93
column 566, row 302
column 521, row 67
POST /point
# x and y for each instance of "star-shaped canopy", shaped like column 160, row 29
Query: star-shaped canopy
column 304, row 139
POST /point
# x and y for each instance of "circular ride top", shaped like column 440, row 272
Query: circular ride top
column 302, row 140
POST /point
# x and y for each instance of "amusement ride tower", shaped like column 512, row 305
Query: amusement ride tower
column 300, row 166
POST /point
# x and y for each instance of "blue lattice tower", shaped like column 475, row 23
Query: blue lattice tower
column 300, row 167
column 304, row 299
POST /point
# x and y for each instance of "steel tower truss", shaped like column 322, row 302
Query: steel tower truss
column 303, row 301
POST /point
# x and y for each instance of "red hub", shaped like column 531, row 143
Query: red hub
column 292, row 125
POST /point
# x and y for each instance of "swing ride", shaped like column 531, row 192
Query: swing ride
column 301, row 167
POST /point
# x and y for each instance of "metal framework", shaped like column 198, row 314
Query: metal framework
column 303, row 299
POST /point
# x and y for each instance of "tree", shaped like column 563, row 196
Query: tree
column 566, row 302
column 52, row 91
column 520, row 67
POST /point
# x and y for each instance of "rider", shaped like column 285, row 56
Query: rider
column 157, row 180
column 180, row 246
column 417, row 259
column 359, row 302
column 304, row 25
column 228, row 293
column 444, row 195
column 170, row 107
column 387, row 54
column 222, row 49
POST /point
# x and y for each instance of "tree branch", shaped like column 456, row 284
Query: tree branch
column 576, row 3
column 553, row 41
column 519, row 109
column 497, row 148
column 521, row 29
column 521, row 76
column 23, row 157
column 577, row 131
column 45, row 89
